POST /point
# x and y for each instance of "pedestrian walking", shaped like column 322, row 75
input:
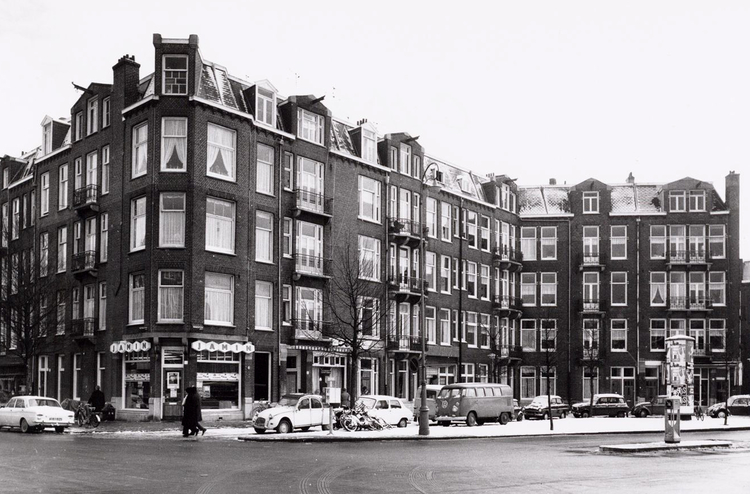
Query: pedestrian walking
column 200, row 416
column 345, row 398
column 191, row 412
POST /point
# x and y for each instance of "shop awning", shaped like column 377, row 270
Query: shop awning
column 319, row 348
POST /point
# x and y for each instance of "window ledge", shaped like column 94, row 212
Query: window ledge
column 369, row 220
column 218, row 324
column 267, row 330
column 167, row 323
column 218, row 252
column 270, row 263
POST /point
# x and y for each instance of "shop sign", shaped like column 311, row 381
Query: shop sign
column 223, row 346
column 218, row 376
column 145, row 377
column 129, row 346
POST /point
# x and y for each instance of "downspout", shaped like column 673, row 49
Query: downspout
column 637, row 305
column 279, row 284
column 459, row 370
column 570, row 290
column 387, row 304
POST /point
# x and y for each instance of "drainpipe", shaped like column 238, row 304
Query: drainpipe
column 637, row 305
column 570, row 290
column 387, row 304
column 279, row 284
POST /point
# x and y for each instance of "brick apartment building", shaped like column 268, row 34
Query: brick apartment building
column 186, row 227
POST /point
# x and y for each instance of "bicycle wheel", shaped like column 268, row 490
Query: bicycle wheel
column 349, row 423
column 95, row 420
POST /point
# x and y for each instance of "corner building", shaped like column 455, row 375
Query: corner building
column 191, row 223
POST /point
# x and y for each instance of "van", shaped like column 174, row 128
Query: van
column 474, row 404
column 432, row 392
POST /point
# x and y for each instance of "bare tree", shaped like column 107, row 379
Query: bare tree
column 548, row 333
column 353, row 303
column 592, row 359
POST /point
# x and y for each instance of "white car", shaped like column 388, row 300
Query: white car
column 35, row 413
column 294, row 411
column 389, row 408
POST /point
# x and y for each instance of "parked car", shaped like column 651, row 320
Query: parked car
column 517, row 410
column 35, row 413
column 293, row 411
column 653, row 407
column 474, row 404
column 389, row 408
column 735, row 405
column 607, row 404
column 432, row 392
column 539, row 408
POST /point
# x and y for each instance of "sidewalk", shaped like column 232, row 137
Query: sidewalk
column 570, row 426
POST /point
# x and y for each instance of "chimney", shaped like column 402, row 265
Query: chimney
column 125, row 77
column 553, row 181
column 630, row 179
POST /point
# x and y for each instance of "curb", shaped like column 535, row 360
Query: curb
column 645, row 447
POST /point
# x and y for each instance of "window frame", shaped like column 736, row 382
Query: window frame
column 232, row 177
column 135, row 219
column 267, row 233
column 230, row 292
column 164, row 160
column 590, row 202
column 162, row 242
column 306, row 118
column 268, row 300
column 365, row 184
column 164, row 76
column 267, row 188
column 614, row 283
column 160, row 317
column 134, row 291
column 136, row 145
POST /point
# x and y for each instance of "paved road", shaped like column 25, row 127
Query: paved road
column 109, row 463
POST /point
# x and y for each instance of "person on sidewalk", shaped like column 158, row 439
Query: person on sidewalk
column 97, row 399
column 346, row 399
column 200, row 416
column 191, row 409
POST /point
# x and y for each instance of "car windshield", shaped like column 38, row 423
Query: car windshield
column 368, row 402
column 42, row 402
column 289, row 400
column 539, row 400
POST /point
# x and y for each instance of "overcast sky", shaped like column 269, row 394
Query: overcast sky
column 533, row 89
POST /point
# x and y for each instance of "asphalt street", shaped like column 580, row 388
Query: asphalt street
column 49, row 462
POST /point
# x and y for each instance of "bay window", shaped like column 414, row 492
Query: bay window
column 138, row 224
column 173, row 144
column 220, row 225
column 171, row 219
column 139, row 151
column 221, row 152
column 310, row 126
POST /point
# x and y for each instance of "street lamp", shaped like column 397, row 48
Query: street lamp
column 424, row 410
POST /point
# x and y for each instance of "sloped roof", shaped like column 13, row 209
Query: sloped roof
column 340, row 139
column 635, row 198
column 457, row 180
column 543, row 200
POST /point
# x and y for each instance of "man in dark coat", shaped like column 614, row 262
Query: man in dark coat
column 97, row 400
column 191, row 412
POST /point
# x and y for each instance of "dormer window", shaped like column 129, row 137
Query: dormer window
column 174, row 74
column 310, row 126
column 79, row 126
column 265, row 106
column 105, row 112
column 697, row 200
column 93, row 117
column 676, row 201
column 47, row 138
column 590, row 202
column 405, row 161
column 369, row 146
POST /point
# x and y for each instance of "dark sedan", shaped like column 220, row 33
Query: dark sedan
column 735, row 405
column 539, row 408
column 609, row 404
column 653, row 407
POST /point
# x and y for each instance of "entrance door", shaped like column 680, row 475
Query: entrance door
column 173, row 387
column 262, row 389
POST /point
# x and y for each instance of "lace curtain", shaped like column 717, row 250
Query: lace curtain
column 174, row 144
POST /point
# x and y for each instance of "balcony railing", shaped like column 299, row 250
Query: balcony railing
column 405, row 283
column 400, row 226
column 510, row 351
column 592, row 305
column 308, row 329
column 590, row 260
column 84, row 261
column 86, row 196
column 689, row 303
column 404, row 342
column 313, row 202
column 697, row 256
column 677, row 256
column 506, row 302
column 312, row 265
column 84, row 327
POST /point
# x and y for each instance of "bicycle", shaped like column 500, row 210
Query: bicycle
column 86, row 416
column 699, row 415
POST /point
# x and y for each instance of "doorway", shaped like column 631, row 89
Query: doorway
column 172, row 382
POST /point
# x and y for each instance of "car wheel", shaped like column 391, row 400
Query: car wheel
column 621, row 415
column 471, row 419
column 585, row 415
column 258, row 430
column 25, row 426
column 519, row 418
column 59, row 430
column 402, row 422
column 503, row 419
column 545, row 416
column 643, row 414
column 721, row 414
column 349, row 423
column 284, row 427
column 563, row 415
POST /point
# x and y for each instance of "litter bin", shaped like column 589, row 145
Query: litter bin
column 672, row 419
column 108, row 412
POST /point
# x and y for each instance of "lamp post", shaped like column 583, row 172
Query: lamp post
column 424, row 410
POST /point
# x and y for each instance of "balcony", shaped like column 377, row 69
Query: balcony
column 406, row 288
column 404, row 343
column 506, row 305
column 678, row 303
column 306, row 329
column 698, row 258
column 592, row 306
column 84, row 328
column 590, row 352
column 86, row 199
column 507, row 257
column 311, row 266
column 677, row 256
column 406, row 232
column 511, row 352
column 84, row 263
column 312, row 204
column 591, row 261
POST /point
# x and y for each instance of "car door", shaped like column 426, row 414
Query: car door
column 6, row 413
column 739, row 407
column 600, row 406
column 396, row 411
column 316, row 412
column 303, row 413
column 380, row 409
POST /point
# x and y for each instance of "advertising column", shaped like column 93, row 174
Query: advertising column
column 680, row 371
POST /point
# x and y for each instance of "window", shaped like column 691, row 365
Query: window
column 485, row 233
column 416, row 170
column 45, row 194
column 591, row 245
column 717, row 335
column 287, row 247
column 590, row 291
column 219, row 301
column 619, row 335
column 220, row 225
column 138, row 224
column 677, row 243
column 140, row 151
column 288, row 176
column 92, row 119
column 528, row 335
column 470, row 331
column 677, row 327
column 5, row 224
column 716, row 242
column 658, row 239
column 15, row 230
column 619, row 242
column 528, row 243
column 445, row 326
column 547, row 375
column 264, row 169
column 471, row 228
column 106, row 110
column 528, row 382
column 677, row 298
column 221, row 153
column 62, row 249
column 528, row 289
column 697, row 200
column 310, row 185
column 619, row 288
column 591, row 202
column 548, row 289
column 676, row 201
column 484, row 330
column 310, row 126
column 369, row 310
column 47, row 138
column 171, row 295
column 394, row 158
column 263, row 305
column 263, row 236
column 175, row 74
column 105, row 170
column 173, row 144
column 369, row 258
column 548, row 243
column 62, row 190
column 102, row 306
column 697, row 330
column 696, row 243
column 717, row 287
column 286, row 300
column 445, row 221
column 658, row 335
column 471, row 279
column 548, row 335
column 104, row 238
column 445, row 274
column 431, row 217
column 43, row 254
column 590, row 338
column 137, row 298
column 369, row 199
column 61, row 309
column 697, row 289
column 369, row 146
column 79, row 126
column 265, row 106
column 405, row 159
column 78, row 170
column 484, row 282
column 171, row 219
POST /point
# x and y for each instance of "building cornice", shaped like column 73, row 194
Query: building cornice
column 139, row 103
